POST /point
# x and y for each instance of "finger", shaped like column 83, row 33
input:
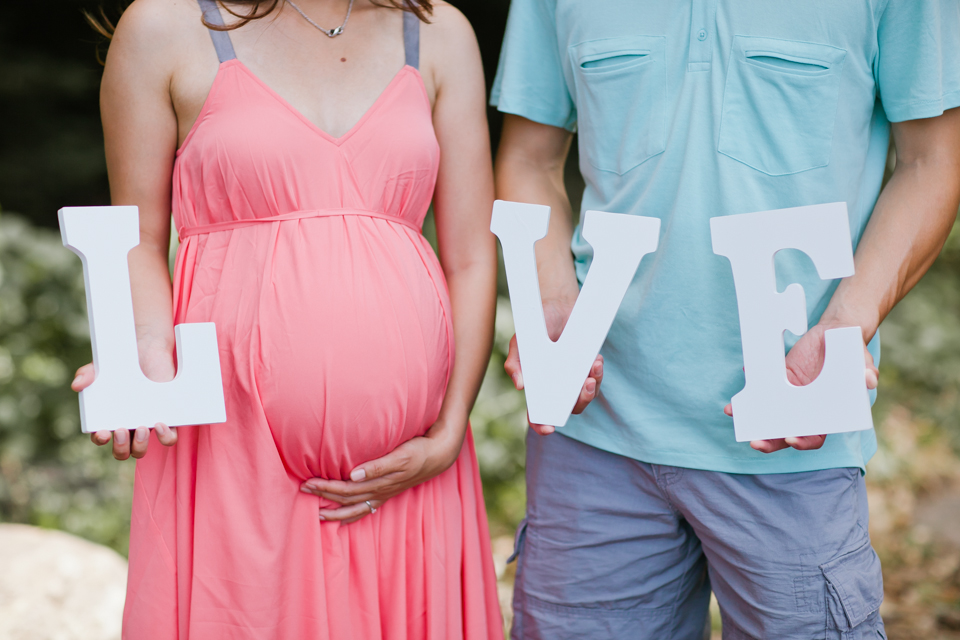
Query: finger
column 166, row 435
column 543, row 429
column 121, row 444
column 587, row 393
column 346, row 500
column 351, row 513
column 101, row 438
column 395, row 461
column 138, row 445
column 339, row 492
column 769, row 446
column 84, row 378
column 728, row 409
column 512, row 364
column 596, row 372
column 872, row 374
column 806, row 443
column 349, row 490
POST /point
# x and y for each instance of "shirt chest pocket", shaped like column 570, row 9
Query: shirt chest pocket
column 620, row 91
column 780, row 104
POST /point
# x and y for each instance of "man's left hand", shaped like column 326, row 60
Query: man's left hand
column 804, row 362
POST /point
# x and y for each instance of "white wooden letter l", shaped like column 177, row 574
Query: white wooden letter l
column 121, row 396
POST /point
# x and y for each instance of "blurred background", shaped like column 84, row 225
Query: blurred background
column 54, row 479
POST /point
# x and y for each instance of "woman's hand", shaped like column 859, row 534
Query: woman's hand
column 413, row 462
column 157, row 364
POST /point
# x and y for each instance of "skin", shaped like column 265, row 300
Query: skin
column 159, row 69
column 909, row 226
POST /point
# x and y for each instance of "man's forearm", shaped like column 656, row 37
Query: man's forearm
column 529, row 168
column 910, row 223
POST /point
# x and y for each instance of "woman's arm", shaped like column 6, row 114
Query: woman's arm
column 140, row 137
column 462, row 205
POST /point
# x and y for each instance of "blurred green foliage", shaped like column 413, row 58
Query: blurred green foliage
column 920, row 358
column 50, row 474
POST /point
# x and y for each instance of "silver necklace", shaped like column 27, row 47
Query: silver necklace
column 330, row 33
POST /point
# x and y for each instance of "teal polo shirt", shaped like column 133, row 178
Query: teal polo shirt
column 690, row 110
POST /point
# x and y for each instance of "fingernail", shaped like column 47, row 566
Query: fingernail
column 519, row 380
column 591, row 385
column 142, row 434
column 357, row 475
column 304, row 488
column 75, row 380
column 120, row 436
column 322, row 518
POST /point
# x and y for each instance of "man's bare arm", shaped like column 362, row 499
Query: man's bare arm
column 910, row 223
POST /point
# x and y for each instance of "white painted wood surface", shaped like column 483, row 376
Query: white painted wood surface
column 121, row 396
column 769, row 406
column 554, row 372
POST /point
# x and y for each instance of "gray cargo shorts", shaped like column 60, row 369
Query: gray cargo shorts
column 616, row 548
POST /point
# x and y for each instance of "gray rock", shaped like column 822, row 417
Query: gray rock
column 55, row 586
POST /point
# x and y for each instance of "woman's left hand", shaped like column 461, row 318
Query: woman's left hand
column 377, row 481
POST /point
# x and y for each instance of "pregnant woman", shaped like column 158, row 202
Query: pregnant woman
column 341, row 499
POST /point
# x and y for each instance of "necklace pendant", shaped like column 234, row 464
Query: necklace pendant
column 333, row 33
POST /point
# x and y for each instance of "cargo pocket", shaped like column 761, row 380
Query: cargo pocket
column 620, row 88
column 780, row 104
column 854, row 588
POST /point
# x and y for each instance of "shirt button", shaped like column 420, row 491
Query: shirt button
column 702, row 35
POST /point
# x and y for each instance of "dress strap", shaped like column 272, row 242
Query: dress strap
column 221, row 39
column 411, row 38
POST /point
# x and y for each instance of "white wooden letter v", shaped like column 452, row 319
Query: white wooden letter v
column 121, row 396
column 553, row 372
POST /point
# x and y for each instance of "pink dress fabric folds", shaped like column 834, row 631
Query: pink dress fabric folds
column 336, row 345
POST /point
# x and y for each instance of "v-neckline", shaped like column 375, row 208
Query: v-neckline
column 336, row 140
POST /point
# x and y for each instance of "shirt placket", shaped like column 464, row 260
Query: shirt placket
column 703, row 29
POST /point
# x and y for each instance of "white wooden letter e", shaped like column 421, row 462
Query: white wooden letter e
column 121, row 396
column 769, row 406
column 553, row 372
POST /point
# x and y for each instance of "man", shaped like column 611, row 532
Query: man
column 686, row 111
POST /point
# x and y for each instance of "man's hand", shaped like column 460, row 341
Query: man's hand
column 804, row 362
column 556, row 315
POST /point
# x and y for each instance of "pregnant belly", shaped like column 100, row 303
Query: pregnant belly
column 354, row 346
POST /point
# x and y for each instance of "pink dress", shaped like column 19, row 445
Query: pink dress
column 336, row 345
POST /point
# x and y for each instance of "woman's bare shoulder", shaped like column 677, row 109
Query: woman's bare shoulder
column 448, row 43
column 448, row 25
column 156, row 30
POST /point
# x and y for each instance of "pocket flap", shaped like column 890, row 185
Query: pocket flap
column 518, row 540
column 857, row 582
column 591, row 54
column 800, row 54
